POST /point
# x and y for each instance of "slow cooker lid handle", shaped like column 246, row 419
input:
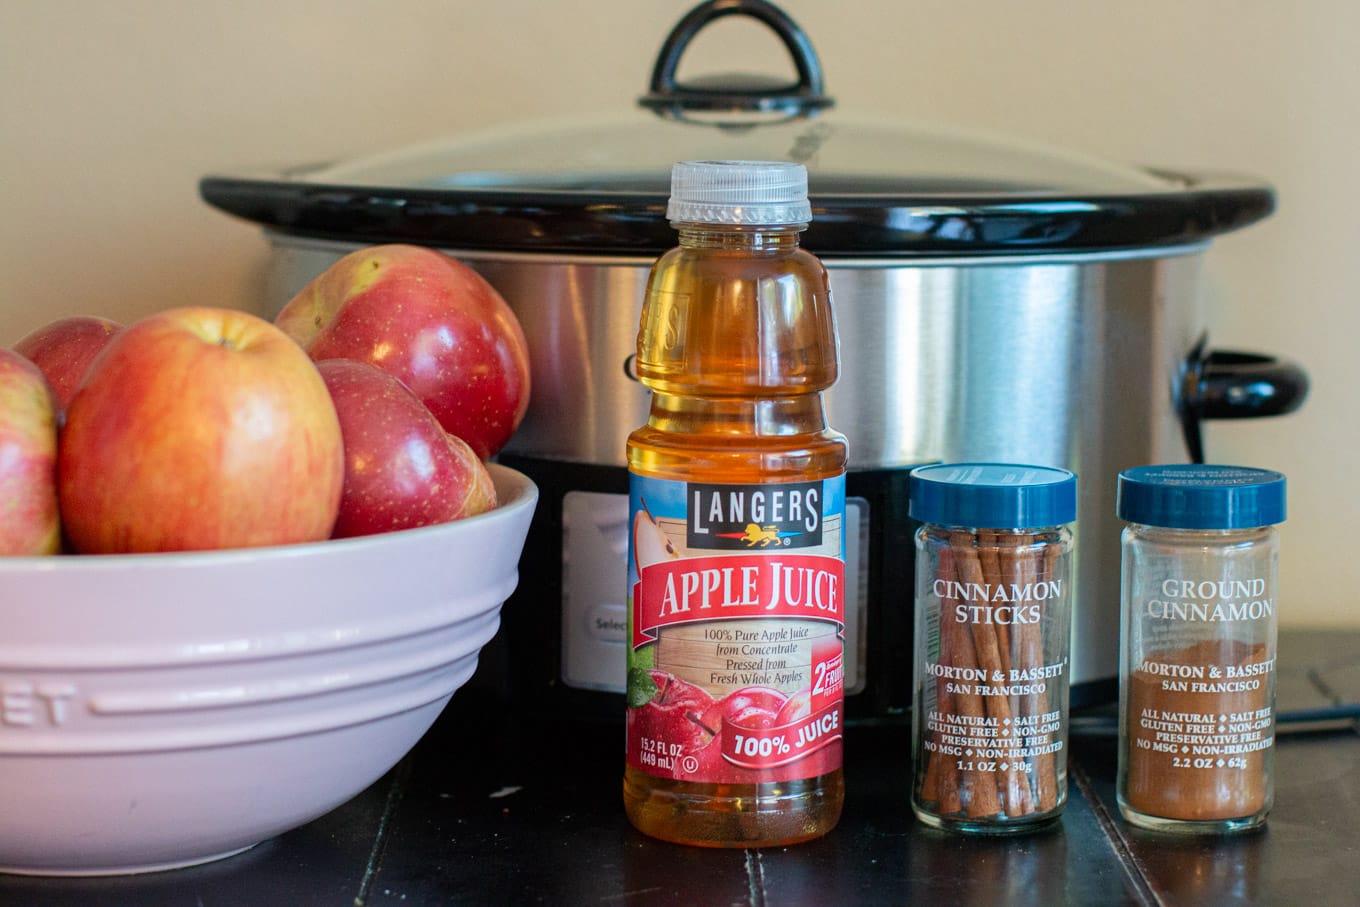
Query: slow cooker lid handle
column 736, row 92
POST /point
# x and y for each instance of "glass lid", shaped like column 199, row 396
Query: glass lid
column 846, row 158
column 599, row 185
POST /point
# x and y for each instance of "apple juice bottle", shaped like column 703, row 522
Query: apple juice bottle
column 736, row 557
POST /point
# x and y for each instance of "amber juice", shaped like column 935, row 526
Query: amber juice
column 737, row 342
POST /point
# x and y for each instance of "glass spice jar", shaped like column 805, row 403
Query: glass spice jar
column 992, row 632
column 1199, row 591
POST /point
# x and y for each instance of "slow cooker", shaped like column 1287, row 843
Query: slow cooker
column 994, row 301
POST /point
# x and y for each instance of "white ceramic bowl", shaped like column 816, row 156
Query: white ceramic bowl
column 168, row 709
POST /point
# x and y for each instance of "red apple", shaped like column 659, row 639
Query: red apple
column 64, row 349
column 29, row 520
column 199, row 428
column 430, row 321
column 402, row 469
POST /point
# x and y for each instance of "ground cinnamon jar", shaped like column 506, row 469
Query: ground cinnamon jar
column 993, row 614
column 1197, row 665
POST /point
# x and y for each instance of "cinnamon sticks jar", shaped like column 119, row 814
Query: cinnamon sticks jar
column 992, row 631
column 1197, row 663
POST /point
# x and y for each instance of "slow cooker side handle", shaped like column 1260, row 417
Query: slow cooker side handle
column 1229, row 384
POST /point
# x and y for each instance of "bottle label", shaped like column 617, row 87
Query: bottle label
column 736, row 629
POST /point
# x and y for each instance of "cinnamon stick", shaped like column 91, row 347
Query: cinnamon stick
column 1014, row 556
column 935, row 760
column 980, row 790
column 989, row 556
column 1046, row 772
column 1036, row 566
column 946, row 765
column 1011, row 779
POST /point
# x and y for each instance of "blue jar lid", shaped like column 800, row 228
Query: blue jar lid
column 1199, row 496
column 993, row 495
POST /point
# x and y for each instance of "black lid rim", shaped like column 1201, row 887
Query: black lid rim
column 843, row 226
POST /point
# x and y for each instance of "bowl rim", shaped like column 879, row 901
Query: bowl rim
column 515, row 492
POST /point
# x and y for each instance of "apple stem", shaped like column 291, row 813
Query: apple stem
column 698, row 719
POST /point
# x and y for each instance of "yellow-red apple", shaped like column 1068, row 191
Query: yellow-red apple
column 29, row 519
column 64, row 349
column 428, row 320
column 402, row 469
column 199, row 428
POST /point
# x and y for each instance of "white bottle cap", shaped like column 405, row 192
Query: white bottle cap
column 739, row 192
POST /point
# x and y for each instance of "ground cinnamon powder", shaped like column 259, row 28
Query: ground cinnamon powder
column 1201, row 723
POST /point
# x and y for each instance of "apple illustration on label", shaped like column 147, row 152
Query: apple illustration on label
column 751, row 708
column 673, row 691
column 650, row 545
column 799, row 706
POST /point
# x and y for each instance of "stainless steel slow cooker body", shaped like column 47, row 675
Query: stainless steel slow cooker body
column 1051, row 359
column 994, row 302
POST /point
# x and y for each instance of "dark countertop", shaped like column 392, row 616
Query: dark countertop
column 491, row 807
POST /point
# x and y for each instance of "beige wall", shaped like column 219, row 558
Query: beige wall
column 110, row 112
